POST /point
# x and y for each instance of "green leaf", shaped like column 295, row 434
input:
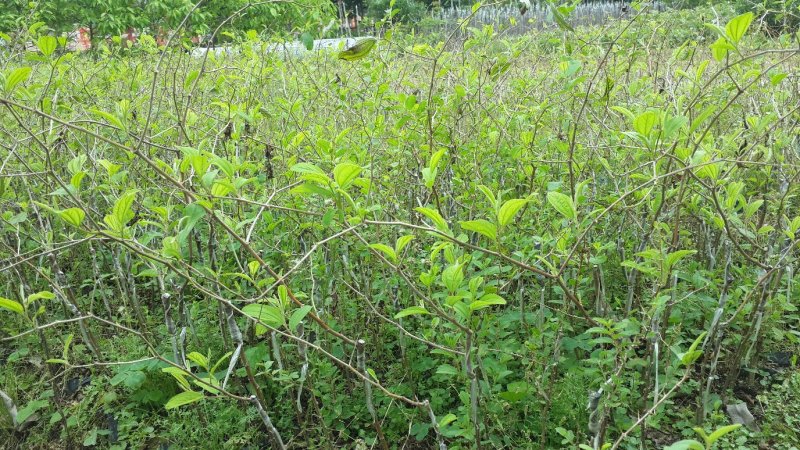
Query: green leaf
column 30, row 409
column 298, row 315
column 722, row 431
column 305, row 168
column 411, row 311
column 345, row 173
column 221, row 360
column 452, row 277
column 204, row 385
column 402, row 241
column 687, row 444
column 645, row 122
column 436, row 218
column 198, row 358
column 737, row 27
column 561, row 21
column 359, row 50
column 47, row 45
column 562, row 203
column 73, row 216
column 481, row 226
column 253, row 267
column 184, row 398
column 676, row 256
column 385, row 249
column 110, row 118
column 720, row 48
column 446, row 369
column 91, row 439
column 509, row 209
column 486, row 301
column 311, row 172
column 447, row 420
column 192, row 214
column 179, row 375
column 692, row 354
column 187, row 82
column 267, row 314
column 434, row 162
column 221, row 188
column 17, row 76
column 65, row 350
column 308, row 40
column 11, row 305
column 489, row 195
column 47, row 295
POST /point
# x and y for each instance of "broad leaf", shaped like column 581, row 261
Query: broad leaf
column 11, row 305
column 298, row 315
column 268, row 314
column 722, row 431
column 562, row 203
column 184, row 398
column 345, row 173
column 436, row 218
column 17, row 76
column 73, row 216
column 385, row 249
column 359, row 50
column 509, row 209
column 687, row 444
column 308, row 40
column 481, row 226
column 486, row 301
column 737, row 27
column 199, row 359
column 411, row 311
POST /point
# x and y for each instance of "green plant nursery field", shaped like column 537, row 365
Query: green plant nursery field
column 581, row 237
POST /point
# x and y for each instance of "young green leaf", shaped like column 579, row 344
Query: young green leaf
column 47, row 45
column 199, row 359
column 722, row 431
column 486, row 301
column 268, row 314
column 411, row 311
column 558, row 16
column 645, row 122
column 386, row 250
column 481, row 226
column 73, row 216
column 308, row 40
column 298, row 315
column 184, row 398
column 737, row 27
column 676, row 256
column 17, row 76
column 509, row 209
column 11, row 305
column 686, row 444
column 345, row 173
column 489, row 195
column 452, row 277
column 436, row 218
column 692, row 354
column 46, row 295
column 446, row 369
column 359, row 50
column 562, row 203
column 110, row 118
column 401, row 243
